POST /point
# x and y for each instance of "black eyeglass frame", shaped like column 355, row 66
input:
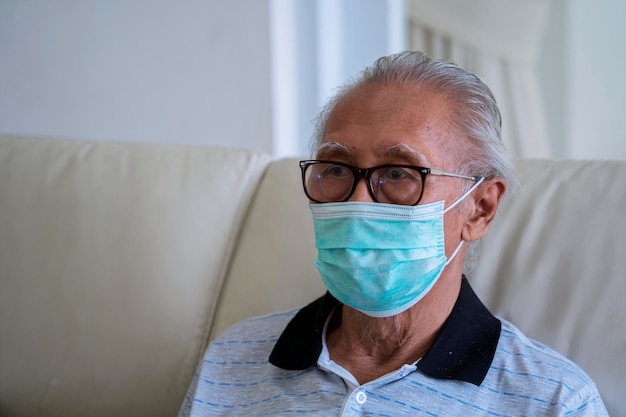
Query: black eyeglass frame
column 366, row 173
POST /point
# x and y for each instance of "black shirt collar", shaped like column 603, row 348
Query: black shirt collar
column 463, row 350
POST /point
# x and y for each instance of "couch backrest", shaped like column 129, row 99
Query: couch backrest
column 112, row 257
column 555, row 265
column 554, row 262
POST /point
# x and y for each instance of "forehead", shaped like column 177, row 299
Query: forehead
column 389, row 120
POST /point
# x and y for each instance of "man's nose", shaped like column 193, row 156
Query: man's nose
column 361, row 192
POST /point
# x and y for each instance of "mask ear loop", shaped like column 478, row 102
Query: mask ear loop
column 457, row 201
column 468, row 192
column 458, row 248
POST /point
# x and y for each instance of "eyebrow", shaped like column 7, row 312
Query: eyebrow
column 402, row 149
column 331, row 147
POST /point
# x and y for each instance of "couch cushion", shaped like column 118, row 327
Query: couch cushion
column 273, row 267
column 111, row 260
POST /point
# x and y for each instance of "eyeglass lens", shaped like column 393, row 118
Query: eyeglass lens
column 327, row 182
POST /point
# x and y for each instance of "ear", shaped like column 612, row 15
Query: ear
column 486, row 200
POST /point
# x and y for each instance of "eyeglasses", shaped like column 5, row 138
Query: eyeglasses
column 328, row 181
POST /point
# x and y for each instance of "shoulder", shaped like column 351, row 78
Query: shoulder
column 519, row 351
column 235, row 369
column 530, row 370
column 261, row 331
column 242, row 349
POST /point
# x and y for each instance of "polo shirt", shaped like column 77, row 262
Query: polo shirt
column 278, row 364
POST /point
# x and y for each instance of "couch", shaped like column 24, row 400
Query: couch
column 119, row 262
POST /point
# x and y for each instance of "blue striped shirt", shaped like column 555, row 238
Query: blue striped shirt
column 497, row 373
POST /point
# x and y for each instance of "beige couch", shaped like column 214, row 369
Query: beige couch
column 119, row 262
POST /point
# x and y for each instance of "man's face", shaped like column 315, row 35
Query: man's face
column 376, row 125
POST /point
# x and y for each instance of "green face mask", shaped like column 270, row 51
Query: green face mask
column 381, row 259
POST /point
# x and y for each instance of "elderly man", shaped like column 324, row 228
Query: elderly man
column 409, row 171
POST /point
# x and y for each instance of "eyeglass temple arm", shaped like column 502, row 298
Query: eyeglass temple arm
column 452, row 174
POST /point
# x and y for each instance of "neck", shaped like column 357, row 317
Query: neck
column 372, row 347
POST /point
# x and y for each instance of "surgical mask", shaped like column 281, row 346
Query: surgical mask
column 381, row 259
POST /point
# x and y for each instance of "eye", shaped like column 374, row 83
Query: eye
column 335, row 171
column 397, row 174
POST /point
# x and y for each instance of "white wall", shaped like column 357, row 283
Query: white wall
column 323, row 43
column 550, row 72
column 596, row 87
column 211, row 71
column 240, row 73
column 581, row 70
column 189, row 71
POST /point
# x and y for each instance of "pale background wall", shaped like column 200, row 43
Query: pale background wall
column 252, row 73
column 190, row 71
column 595, row 85
column 581, row 72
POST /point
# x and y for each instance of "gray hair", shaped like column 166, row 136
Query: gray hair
column 474, row 112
